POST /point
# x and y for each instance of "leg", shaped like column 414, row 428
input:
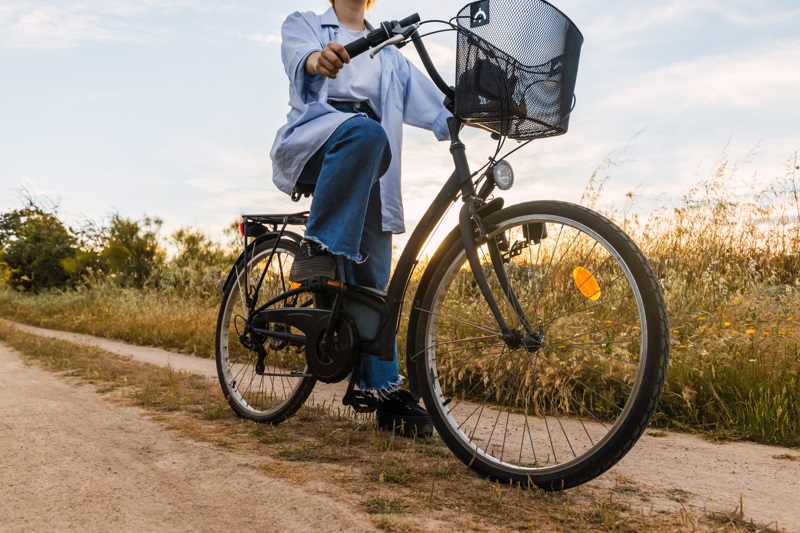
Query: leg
column 397, row 410
column 345, row 169
column 376, row 245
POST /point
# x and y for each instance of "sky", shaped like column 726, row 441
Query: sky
column 169, row 107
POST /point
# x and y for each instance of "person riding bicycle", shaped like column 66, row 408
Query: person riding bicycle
column 343, row 140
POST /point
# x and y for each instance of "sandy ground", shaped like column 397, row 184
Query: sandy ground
column 65, row 451
column 71, row 461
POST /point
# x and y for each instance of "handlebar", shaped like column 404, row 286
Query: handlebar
column 379, row 35
column 400, row 31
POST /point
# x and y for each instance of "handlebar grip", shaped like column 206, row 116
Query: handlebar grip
column 378, row 36
column 408, row 21
column 357, row 47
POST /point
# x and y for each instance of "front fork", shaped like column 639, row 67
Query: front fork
column 473, row 235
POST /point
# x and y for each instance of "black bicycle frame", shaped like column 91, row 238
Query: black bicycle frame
column 460, row 182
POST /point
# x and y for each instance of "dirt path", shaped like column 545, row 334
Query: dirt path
column 71, row 461
column 147, row 478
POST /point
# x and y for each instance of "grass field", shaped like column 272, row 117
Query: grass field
column 729, row 265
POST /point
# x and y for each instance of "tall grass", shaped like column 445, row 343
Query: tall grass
column 729, row 263
column 156, row 317
column 728, row 259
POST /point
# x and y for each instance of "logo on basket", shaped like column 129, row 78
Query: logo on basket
column 556, row 66
column 479, row 14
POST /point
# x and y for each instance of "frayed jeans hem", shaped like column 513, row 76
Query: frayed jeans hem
column 384, row 392
column 354, row 258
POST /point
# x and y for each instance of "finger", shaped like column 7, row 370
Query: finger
column 325, row 68
column 334, row 66
column 333, row 58
column 340, row 51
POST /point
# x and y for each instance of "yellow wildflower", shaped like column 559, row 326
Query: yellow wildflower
column 751, row 332
column 727, row 324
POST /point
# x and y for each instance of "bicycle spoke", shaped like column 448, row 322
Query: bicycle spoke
column 279, row 388
column 545, row 399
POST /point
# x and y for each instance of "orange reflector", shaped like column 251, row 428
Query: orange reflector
column 295, row 285
column 335, row 283
column 586, row 283
column 241, row 228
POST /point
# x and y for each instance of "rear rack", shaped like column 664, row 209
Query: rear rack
column 274, row 221
column 258, row 225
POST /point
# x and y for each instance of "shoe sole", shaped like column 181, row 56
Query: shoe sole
column 316, row 267
column 406, row 426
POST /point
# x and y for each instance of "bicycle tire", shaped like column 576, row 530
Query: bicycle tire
column 577, row 403
column 280, row 390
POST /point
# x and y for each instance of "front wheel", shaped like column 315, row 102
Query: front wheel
column 576, row 389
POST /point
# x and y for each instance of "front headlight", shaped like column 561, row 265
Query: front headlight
column 503, row 175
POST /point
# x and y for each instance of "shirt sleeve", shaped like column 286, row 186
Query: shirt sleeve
column 423, row 105
column 298, row 41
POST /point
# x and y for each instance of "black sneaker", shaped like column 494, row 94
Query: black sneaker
column 312, row 262
column 400, row 412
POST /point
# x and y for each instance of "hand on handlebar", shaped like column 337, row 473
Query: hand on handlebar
column 328, row 61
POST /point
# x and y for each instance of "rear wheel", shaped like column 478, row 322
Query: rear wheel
column 575, row 391
column 263, row 379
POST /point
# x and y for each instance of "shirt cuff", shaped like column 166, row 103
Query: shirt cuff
column 440, row 127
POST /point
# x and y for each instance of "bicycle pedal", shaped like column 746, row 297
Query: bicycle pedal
column 363, row 402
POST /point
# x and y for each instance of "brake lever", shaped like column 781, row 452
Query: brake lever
column 397, row 39
column 407, row 32
column 401, row 35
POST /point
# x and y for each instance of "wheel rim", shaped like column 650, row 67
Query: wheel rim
column 539, row 411
column 261, row 396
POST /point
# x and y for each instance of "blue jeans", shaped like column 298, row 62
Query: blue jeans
column 345, row 219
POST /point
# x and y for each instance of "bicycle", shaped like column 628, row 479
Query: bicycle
column 537, row 335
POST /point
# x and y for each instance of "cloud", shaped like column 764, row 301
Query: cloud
column 620, row 24
column 266, row 38
column 743, row 82
column 38, row 25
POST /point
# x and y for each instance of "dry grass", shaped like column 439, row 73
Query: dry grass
column 146, row 317
column 401, row 483
column 729, row 262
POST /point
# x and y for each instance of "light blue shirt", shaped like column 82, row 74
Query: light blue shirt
column 407, row 96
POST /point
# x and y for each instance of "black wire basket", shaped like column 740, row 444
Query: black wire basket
column 516, row 66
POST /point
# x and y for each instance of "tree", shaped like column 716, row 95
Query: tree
column 195, row 249
column 34, row 247
column 131, row 250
